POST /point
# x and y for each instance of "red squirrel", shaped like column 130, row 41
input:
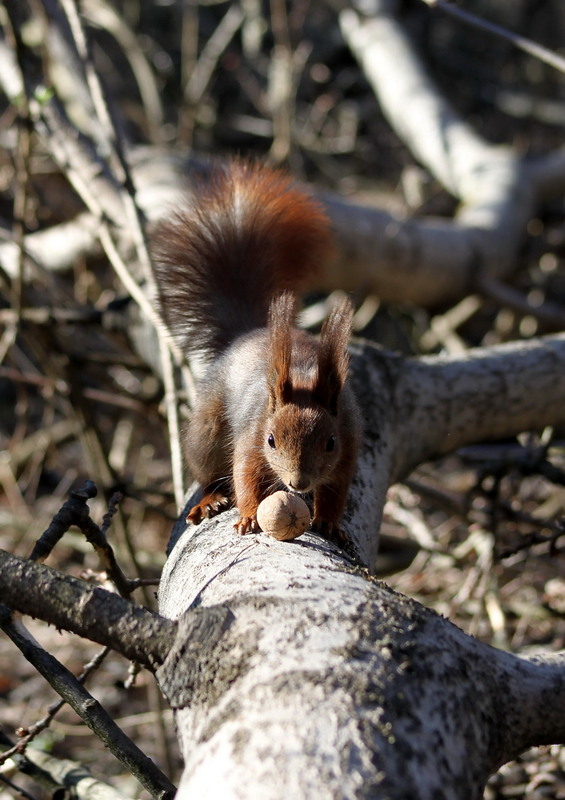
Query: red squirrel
column 274, row 406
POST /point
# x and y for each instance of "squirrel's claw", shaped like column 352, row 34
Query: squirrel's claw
column 247, row 525
column 210, row 505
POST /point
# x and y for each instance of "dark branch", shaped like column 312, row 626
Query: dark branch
column 92, row 612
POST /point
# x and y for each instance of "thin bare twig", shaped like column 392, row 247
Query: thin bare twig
column 521, row 42
column 59, row 134
column 32, row 731
column 216, row 45
column 102, row 13
column 89, row 710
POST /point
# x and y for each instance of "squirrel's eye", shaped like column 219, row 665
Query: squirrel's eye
column 271, row 441
column 330, row 444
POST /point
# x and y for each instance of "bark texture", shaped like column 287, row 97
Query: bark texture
column 316, row 681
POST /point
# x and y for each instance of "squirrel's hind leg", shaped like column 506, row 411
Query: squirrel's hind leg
column 208, row 459
column 215, row 500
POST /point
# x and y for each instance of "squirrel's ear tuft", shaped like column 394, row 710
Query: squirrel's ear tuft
column 333, row 358
column 281, row 317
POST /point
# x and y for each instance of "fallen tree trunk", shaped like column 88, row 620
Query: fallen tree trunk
column 292, row 672
column 321, row 682
column 326, row 684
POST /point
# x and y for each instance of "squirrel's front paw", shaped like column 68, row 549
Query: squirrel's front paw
column 330, row 530
column 247, row 525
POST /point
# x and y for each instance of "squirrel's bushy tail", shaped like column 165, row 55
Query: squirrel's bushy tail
column 247, row 234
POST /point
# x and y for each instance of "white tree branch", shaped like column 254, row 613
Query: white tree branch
column 324, row 684
column 443, row 403
column 415, row 410
column 497, row 192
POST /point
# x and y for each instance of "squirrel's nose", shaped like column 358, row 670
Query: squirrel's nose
column 300, row 483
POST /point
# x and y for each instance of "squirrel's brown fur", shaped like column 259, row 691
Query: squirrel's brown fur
column 274, row 406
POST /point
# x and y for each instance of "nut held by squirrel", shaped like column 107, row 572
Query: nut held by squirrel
column 283, row 516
